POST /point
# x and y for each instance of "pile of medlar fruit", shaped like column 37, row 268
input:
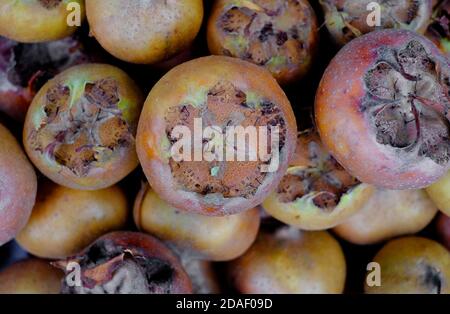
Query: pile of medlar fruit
column 224, row 146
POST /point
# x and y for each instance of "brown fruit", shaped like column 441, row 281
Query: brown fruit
column 128, row 263
column 280, row 35
column 65, row 221
column 220, row 93
column 210, row 238
column 144, row 31
column 387, row 120
column 18, row 185
column 348, row 19
column 32, row 276
column 439, row 193
column 413, row 265
column 443, row 229
column 388, row 214
column 37, row 20
column 316, row 193
column 80, row 128
column 439, row 29
column 290, row 261
column 24, row 68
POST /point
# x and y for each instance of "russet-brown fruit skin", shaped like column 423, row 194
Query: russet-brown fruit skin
column 37, row 20
column 18, row 186
column 188, row 87
column 316, row 193
column 443, row 229
column 413, row 265
column 80, row 128
column 205, row 237
column 388, row 214
column 283, row 42
column 31, row 276
column 359, row 112
column 290, row 261
column 128, row 263
column 439, row 193
column 64, row 221
column 144, row 31
column 347, row 19
column 203, row 277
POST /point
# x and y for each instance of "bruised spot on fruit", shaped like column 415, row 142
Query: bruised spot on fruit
column 77, row 133
column 107, row 268
column 433, row 278
column 50, row 4
column 324, row 177
column 261, row 32
column 408, row 103
column 226, row 107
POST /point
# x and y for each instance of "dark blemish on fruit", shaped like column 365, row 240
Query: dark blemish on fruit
column 50, row 4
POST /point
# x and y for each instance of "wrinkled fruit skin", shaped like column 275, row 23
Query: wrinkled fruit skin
column 223, row 92
column 144, row 31
column 65, row 221
column 290, row 261
column 18, row 186
column 80, row 128
column 388, row 214
column 443, row 229
column 439, row 29
column 32, row 276
column 128, row 263
column 316, row 193
column 281, row 36
column 387, row 120
column 413, row 265
column 24, row 68
column 440, row 195
column 210, row 238
column 49, row 19
column 347, row 19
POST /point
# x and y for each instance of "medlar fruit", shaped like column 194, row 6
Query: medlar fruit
column 388, row 214
column 387, row 120
column 279, row 35
column 31, row 276
column 316, row 193
column 439, row 193
column 413, row 265
column 210, row 238
column 128, row 263
column 80, row 128
column 187, row 132
column 348, row 19
column 203, row 277
column 65, row 221
column 144, row 31
column 24, row 68
column 18, row 186
column 37, row 20
column 290, row 261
